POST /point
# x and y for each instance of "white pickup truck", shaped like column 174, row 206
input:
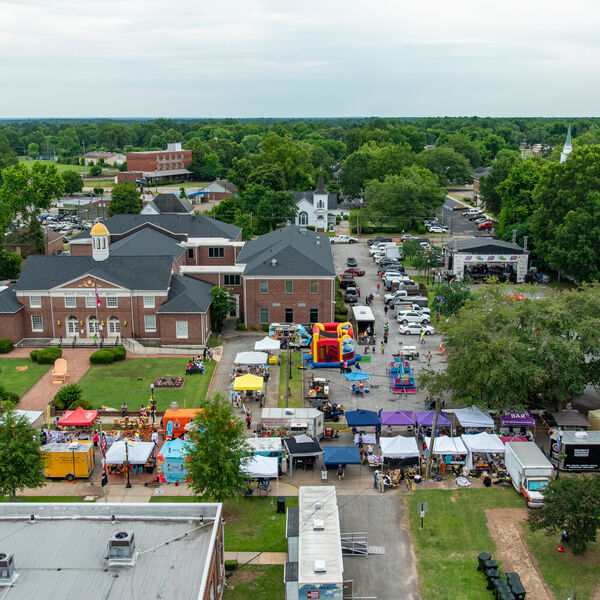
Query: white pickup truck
column 344, row 239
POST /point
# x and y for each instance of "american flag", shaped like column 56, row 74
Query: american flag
column 97, row 296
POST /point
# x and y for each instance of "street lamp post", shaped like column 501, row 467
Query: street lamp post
column 126, row 463
column 152, row 403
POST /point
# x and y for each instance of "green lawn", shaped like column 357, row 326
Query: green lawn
column 129, row 381
column 295, row 383
column 251, row 523
column 20, row 382
column 256, row 581
column 455, row 533
column 59, row 166
column 565, row 572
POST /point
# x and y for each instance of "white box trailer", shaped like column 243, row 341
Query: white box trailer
column 577, row 451
column 529, row 470
column 363, row 318
column 295, row 420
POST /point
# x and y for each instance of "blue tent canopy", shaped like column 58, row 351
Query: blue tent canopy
column 357, row 376
column 362, row 418
column 196, row 194
column 342, row 455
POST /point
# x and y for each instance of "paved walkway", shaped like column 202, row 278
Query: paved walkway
column 257, row 558
column 38, row 397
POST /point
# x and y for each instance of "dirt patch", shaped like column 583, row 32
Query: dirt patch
column 511, row 551
column 454, row 497
column 229, row 515
column 248, row 575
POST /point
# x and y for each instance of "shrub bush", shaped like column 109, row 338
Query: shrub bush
column 33, row 355
column 9, row 397
column 231, row 565
column 119, row 353
column 102, row 357
column 67, row 395
column 47, row 356
column 85, row 404
column 345, row 217
column 5, row 345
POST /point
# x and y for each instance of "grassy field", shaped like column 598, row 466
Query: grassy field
column 565, row 572
column 455, row 533
column 20, row 382
column 258, row 581
column 252, row 524
column 129, row 381
column 295, row 383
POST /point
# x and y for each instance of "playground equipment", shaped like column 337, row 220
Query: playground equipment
column 333, row 344
column 289, row 333
column 401, row 377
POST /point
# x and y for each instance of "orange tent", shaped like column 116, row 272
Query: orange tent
column 174, row 421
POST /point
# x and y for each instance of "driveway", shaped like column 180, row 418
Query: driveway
column 391, row 575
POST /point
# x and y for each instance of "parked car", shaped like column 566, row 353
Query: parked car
column 351, row 296
column 412, row 316
column 479, row 220
column 408, row 236
column 475, row 216
column 393, row 267
column 415, row 329
column 460, row 207
column 355, row 272
column 486, row 225
column 393, row 275
column 344, row 239
column 377, row 240
column 389, row 298
column 437, row 229
column 351, row 262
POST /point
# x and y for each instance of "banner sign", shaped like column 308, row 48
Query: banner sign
column 493, row 258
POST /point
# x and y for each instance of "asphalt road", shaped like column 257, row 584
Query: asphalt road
column 458, row 225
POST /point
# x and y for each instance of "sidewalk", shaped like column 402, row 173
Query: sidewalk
column 258, row 558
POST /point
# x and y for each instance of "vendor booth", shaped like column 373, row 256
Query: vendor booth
column 362, row 418
column 267, row 446
column 474, row 418
column 137, row 453
column 425, row 419
column 251, row 358
column 248, row 383
column 341, row 455
column 267, row 344
column 176, row 420
column 261, row 468
column 483, row 450
column 171, row 461
column 517, row 420
column 78, row 418
column 399, row 451
column 303, row 451
column 71, row 461
column 452, row 449
column 288, row 422
column 398, row 418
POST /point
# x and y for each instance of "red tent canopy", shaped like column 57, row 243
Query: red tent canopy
column 78, row 417
column 513, row 438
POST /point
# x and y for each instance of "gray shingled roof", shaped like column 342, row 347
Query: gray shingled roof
column 197, row 226
column 187, row 295
column 131, row 272
column 8, row 301
column 485, row 245
column 332, row 199
column 147, row 242
column 294, row 248
column 170, row 203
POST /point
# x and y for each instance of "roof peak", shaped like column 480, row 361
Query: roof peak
column 568, row 140
column 321, row 189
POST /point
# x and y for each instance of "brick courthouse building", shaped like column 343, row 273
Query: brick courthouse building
column 149, row 277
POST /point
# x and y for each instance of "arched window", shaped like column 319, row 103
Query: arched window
column 72, row 326
column 303, row 218
column 114, row 326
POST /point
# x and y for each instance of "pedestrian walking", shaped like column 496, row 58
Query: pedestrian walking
column 422, row 337
column 358, row 291
column 428, row 358
column 437, row 318
column 342, row 368
column 389, row 430
column 378, row 286
column 248, row 419
column 361, row 387
column 385, row 309
column 340, row 472
column 381, row 482
column 382, row 348
column 375, row 474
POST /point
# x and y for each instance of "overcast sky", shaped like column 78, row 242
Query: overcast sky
column 260, row 58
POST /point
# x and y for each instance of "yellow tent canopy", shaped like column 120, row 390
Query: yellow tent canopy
column 248, row 382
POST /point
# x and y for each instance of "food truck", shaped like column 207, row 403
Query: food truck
column 290, row 333
column 69, row 461
column 363, row 319
column 576, row 450
column 292, row 421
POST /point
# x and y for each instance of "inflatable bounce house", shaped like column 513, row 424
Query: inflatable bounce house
column 332, row 344
column 402, row 378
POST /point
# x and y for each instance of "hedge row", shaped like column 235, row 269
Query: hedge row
column 47, row 356
column 5, row 346
column 108, row 356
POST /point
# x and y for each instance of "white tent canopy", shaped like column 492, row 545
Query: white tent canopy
column 482, row 443
column 446, row 445
column 267, row 345
column 251, row 358
column 139, row 453
column 266, row 444
column 474, row 417
column 261, row 466
column 398, row 447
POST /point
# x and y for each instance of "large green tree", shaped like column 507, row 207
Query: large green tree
column 217, row 450
column 566, row 220
column 487, row 185
column 571, row 504
column 125, row 200
column 21, row 461
column 449, row 166
column 223, row 303
column 450, row 297
column 73, row 181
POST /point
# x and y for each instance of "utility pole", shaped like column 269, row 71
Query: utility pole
column 84, row 163
column 438, row 405
column 287, row 377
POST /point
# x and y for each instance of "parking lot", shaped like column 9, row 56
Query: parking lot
column 380, row 395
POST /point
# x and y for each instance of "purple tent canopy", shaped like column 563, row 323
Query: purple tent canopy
column 426, row 418
column 398, row 417
column 520, row 419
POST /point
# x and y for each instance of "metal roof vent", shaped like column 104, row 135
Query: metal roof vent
column 121, row 549
column 7, row 569
column 318, row 506
column 273, row 262
column 318, row 524
column 318, row 242
column 320, row 566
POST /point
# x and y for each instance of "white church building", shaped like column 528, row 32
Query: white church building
column 567, row 148
column 318, row 209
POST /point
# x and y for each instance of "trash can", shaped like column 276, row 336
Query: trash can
column 482, row 557
column 324, row 475
column 517, row 589
column 506, row 595
column 500, row 585
column 417, row 479
column 491, row 564
column 281, row 504
column 491, row 574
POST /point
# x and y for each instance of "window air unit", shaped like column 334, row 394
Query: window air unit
column 7, row 566
column 318, row 524
column 121, row 545
column 320, row 566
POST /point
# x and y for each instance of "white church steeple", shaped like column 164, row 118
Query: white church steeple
column 100, row 242
column 567, row 148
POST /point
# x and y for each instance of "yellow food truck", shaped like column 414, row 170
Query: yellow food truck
column 69, row 461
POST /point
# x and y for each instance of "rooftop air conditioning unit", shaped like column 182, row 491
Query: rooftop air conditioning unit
column 581, row 434
column 318, row 505
column 7, row 566
column 121, row 545
column 320, row 566
column 289, row 411
column 318, row 524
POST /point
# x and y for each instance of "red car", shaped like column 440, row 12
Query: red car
column 354, row 272
column 486, row 225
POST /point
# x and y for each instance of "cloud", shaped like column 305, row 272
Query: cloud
column 297, row 58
